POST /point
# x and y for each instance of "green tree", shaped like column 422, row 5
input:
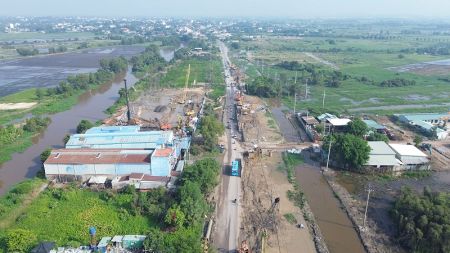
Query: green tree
column 192, row 202
column 417, row 140
column 84, row 125
column 175, row 217
column 423, row 221
column 211, row 128
column 374, row 136
column 45, row 154
column 40, row 93
column 204, row 172
column 20, row 240
column 350, row 151
column 357, row 127
column 154, row 242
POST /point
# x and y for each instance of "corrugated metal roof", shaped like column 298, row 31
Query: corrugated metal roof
column 407, row 150
column 113, row 129
column 97, row 156
column 163, row 152
column 339, row 122
column 373, row 124
column 151, row 139
column 310, row 120
column 326, row 116
column 423, row 116
column 427, row 126
column 382, row 160
column 380, row 148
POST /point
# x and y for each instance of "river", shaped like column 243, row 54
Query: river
column 91, row 106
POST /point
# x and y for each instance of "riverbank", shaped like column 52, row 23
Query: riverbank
column 373, row 240
column 90, row 105
column 46, row 104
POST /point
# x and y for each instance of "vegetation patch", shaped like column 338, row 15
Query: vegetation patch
column 290, row 218
column 423, row 221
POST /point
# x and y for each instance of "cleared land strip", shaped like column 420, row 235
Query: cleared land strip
column 391, row 107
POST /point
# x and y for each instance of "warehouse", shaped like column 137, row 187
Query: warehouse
column 411, row 157
column 122, row 140
column 84, row 164
column 432, row 118
column 382, row 158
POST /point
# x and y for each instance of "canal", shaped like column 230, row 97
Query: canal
column 335, row 225
column 91, row 106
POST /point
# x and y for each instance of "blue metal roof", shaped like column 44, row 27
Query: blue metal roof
column 113, row 129
column 427, row 126
column 372, row 124
column 138, row 140
column 422, row 116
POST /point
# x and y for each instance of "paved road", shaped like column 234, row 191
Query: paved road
column 227, row 226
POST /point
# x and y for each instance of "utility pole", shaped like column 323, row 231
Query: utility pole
column 128, row 103
column 295, row 101
column 329, row 152
column 323, row 100
column 306, row 89
column 369, row 190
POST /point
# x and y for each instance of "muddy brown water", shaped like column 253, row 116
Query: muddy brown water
column 91, row 106
column 288, row 131
column 336, row 227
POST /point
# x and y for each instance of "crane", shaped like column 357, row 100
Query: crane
column 182, row 101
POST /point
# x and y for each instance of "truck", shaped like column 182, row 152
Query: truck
column 236, row 168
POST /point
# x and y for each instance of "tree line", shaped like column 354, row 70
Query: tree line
column 66, row 88
column 150, row 57
column 184, row 212
column 423, row 220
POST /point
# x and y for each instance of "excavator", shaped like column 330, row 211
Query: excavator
column 183, row 100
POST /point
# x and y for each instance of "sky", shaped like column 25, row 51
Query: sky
column 229, row 8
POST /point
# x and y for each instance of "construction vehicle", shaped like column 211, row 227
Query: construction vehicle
column 190, row 113
column 183, row 100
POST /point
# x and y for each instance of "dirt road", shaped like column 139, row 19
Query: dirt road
column 325, row 62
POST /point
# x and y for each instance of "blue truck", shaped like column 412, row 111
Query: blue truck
column 235, row 168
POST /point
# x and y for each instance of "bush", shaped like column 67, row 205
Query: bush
column 290, row 218
column 84, row 125
column 20, row 240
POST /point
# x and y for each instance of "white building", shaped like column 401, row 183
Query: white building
column 411, row 157
column 382, row 158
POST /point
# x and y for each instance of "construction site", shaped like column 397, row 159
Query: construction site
column 264, row 226
column 163, row 109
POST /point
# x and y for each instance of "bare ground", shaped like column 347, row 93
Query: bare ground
column 262, row 183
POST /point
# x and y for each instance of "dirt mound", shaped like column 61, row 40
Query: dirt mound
column 160, row 108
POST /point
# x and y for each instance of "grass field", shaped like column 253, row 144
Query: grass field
column 65, row 216
column 201, row 71
column 358, row 58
